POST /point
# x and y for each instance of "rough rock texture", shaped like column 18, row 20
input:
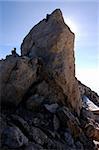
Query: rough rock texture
column 96, row 115
column 90, row 124
column 53, row 41
column 93, row 96
column 17, row 75
column 67, row 119
column 13, row 137
column 92, row 131
column 41, row 104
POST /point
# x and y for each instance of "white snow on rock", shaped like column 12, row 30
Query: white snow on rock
column 89, row 104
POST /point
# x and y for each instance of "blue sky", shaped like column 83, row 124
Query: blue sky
column 18, row 17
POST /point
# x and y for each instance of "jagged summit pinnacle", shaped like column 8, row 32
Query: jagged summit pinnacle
column 57, row 14
column 53, row 41
column 57, row 11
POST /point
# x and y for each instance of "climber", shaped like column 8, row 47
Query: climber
column 47, row 17
column 14, row 52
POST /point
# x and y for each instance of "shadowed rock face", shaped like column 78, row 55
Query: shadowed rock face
column 40, row 99
column 53, row 41
column 17, row 75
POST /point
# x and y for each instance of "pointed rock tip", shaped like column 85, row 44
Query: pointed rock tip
column 57, row 14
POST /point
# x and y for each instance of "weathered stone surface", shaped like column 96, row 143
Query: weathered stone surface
column 17, row 75
column 96, row 144
column 33, row 146
column 79, row 146
column 34, row 102
column 41, row 138
column 68, row 120
column 13, row 137
column 69, row 139
column 20, row 123
column 93, row 96
column 52, row 107
column 41, row 83
column 89, row 124
column 56, row 123
column 53, row 41
column 92, row 131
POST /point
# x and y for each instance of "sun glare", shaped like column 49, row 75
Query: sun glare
column 71, row 24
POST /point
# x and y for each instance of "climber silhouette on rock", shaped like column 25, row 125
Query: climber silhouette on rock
column 14, row 52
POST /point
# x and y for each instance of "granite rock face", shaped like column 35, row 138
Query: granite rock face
column 41, row 103
column 53, row 41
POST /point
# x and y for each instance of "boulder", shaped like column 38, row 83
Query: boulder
column 96, row 115
column 48, row 88
column 88, row 143
column 3, row 125
column 20, row 123
column 41, row 84
column 6, row 67
column 53, row 41
column 41, row 138
column 91, row 127
column 68, row 120
column 92, row 131
column 17, row 75
column 13, row 137
column 46, row 142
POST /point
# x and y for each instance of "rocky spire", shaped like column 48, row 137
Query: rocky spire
column 39, row 95
column 53, row 41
